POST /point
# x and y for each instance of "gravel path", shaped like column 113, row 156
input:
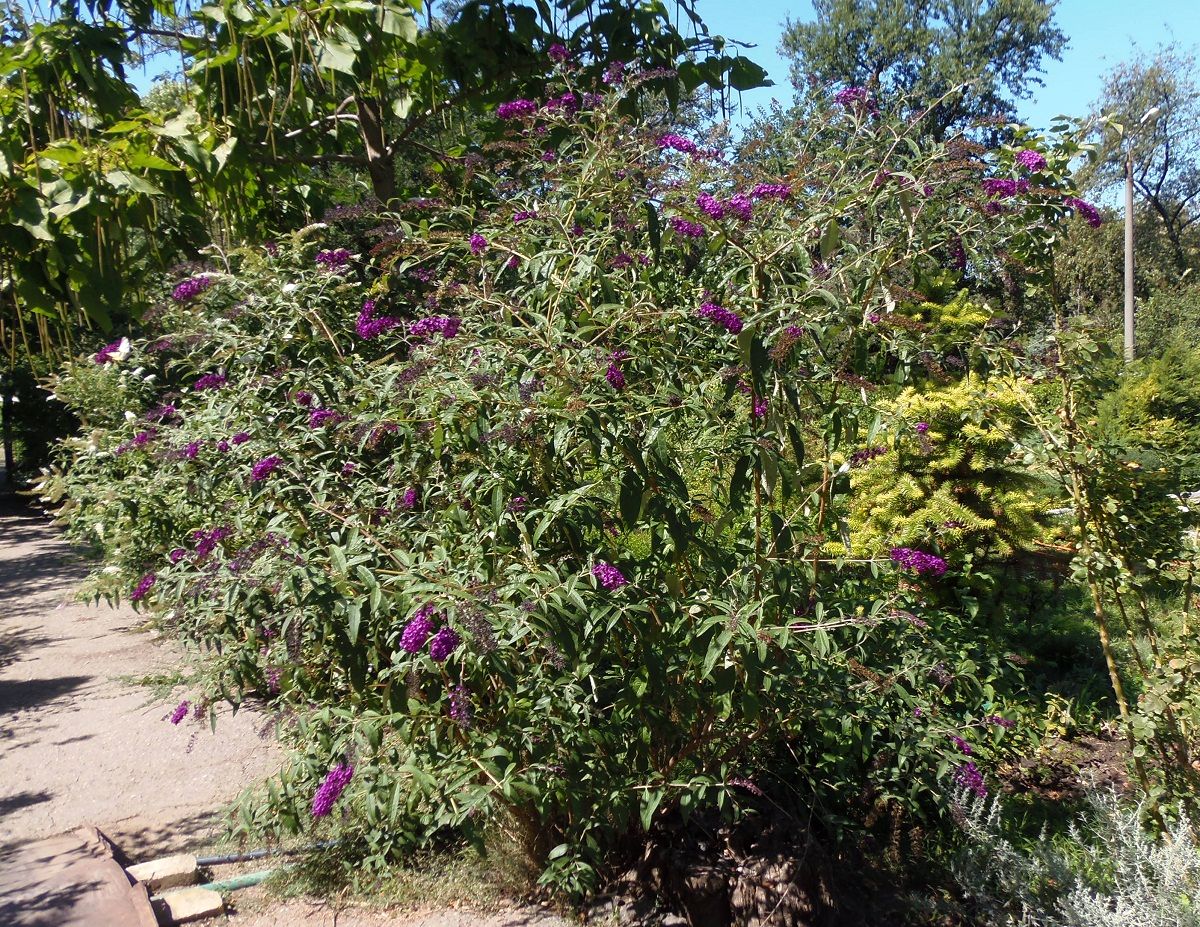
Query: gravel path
column 81, row 744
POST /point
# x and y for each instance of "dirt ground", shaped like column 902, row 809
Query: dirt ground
column 81, row 743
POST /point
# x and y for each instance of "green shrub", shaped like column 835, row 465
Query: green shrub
column 585, row 436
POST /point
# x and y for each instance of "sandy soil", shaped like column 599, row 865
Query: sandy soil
column 81, row 744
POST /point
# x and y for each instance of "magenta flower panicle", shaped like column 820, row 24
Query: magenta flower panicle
column 417, row 631
column 443, row 644
column 144, row 585
column 609, row 576
column 261, row 470
column 918, row 561
column 728, row 320
column 1033, row 161
column 516, row 109
column 331, row 788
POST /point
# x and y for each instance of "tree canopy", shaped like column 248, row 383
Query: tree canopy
column 927, row 50
column 1165, row 147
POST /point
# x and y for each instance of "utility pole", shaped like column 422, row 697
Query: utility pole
column 1129, row 255
column 1150, row 114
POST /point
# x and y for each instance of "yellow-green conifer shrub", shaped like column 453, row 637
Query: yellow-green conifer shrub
column 946, row 478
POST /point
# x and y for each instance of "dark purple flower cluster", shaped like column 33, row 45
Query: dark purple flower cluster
column 567, row 103
column 210, row 381
column 241, row 437
column 969, row 777
column 176, row 555
column 417, row 631
column 446, row 326
column 922, row 428
column 614, row 73
column 748, row 785
column 478, row 243
column 141, row 439
column 1032, row 161
column 961, row 745
column 334, row 259
column 207, row 541
column 918, row 561
column 1004, row 187
column 261, row 470
column 303, row 398
column 523, row 216
column 443, row 644
column 409, row 499
column 368, row 325
column 319, row 418
column 621, row 261
column 614, row 376
column 609, row 576
column 728, row 320
column 739, row 205
column 161, row 413
column 144, row 585
column 1086, row 210
column 852, row 96
column 860, row 457
column 678, row 143
column 774, row 191
column 758, row 406
column 1007, row 723
column 180, row 711
column 110, row 352
column 188, row 452
column 516, row 109
column 331, row 788
column 686, row 228
column 191, row 288
column 460, row 706
column 710, row 205
column 558, row 52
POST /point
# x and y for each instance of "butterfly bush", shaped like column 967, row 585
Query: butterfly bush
column 428, row 589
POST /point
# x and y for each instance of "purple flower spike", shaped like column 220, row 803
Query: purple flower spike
column 962, row 745
column 678, row 143
column 686, row 228
column 210, row 381
column 771, row 191
column 443, row 644
column 180, row 711
column 616, row 379
column 1089, row 213
column 730, row 321
column 609, row 576
column 478, row 243
column 417, row 631
column 969, row 777
column 261, row 470
column 1032, row 161
column 710, row 206
column 918, row 561
column 460, row 706
column 191, row 288
column 558, row 52
column 331, row 789
column 922, row 428
column 143, row 587
column 516, row 109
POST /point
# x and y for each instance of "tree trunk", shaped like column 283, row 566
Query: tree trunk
column 381, row 164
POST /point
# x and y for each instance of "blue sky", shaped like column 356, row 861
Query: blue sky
column 1101, row 33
